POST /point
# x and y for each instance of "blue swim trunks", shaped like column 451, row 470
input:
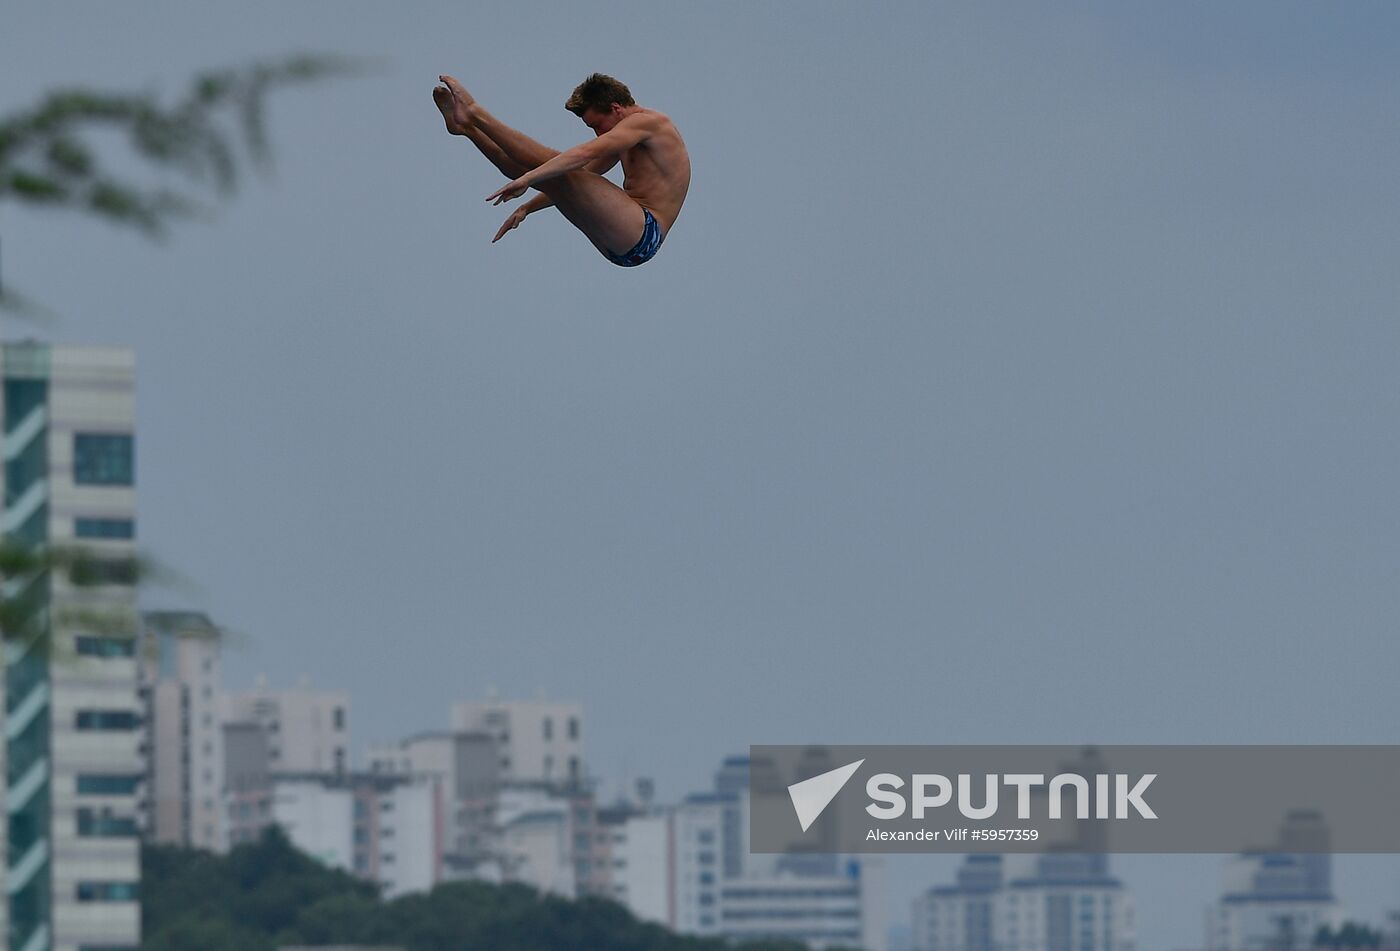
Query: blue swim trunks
column 645, row 249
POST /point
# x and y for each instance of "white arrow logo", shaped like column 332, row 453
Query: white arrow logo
column 811, row 796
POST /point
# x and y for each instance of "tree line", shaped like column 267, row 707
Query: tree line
column 267, row 895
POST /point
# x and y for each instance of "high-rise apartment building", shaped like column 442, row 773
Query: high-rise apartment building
column 1058, row 901
column 308, row 731
column 688, row 867
column 72, row 715
column 538, row 741
column 184, row 740
column 960, row 916
column 1277, row 898
column 464, row 772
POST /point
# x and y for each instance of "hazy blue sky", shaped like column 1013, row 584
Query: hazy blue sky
column 1012, row 375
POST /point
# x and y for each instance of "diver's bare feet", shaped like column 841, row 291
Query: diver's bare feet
column 466, row 102
column 456, row 114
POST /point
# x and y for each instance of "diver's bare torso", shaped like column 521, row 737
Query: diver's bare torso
column 656, row 173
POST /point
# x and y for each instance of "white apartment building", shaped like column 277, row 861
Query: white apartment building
column 822, row 911
column 960, row 917
column 1041, row 915
column 668, row 867
column 641, row 865
column 383, row 829
column 1277, row 898
column 308, row 730
column 72, row 713
column 696, row 865
column 1268, row 903
column 465, row 769
column 536, row 840
column 318, row 817
column 688, row 867
column 538, row 741
column 1052, row 902
column 407, row 852
column 183, row 734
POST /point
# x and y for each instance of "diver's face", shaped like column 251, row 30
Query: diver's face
column 602, row 122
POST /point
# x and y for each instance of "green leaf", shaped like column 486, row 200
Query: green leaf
column 36, row 188
column 70, row 157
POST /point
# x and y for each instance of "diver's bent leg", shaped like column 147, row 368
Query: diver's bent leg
column 607, row 215
column 456, row 110
column 517, row 146
column 493, row 152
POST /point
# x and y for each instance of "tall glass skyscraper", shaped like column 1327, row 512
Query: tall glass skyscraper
column 73, row 769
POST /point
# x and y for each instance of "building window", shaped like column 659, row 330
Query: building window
column 105, row 825
column 107, row 891
column 573, row 728
column 107, row 720
column 105, row 646
column 104, row 528
column 548, row 728
column 338, row 718
column 89, row 572
column 100, row 784
column 103, row 459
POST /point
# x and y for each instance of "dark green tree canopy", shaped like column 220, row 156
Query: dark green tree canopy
column 266, row 895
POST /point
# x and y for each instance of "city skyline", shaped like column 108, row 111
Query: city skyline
column 1233, row 879
column 1052, row 400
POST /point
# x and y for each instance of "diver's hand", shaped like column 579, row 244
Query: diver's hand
column 511, row 223
column 508, row 192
